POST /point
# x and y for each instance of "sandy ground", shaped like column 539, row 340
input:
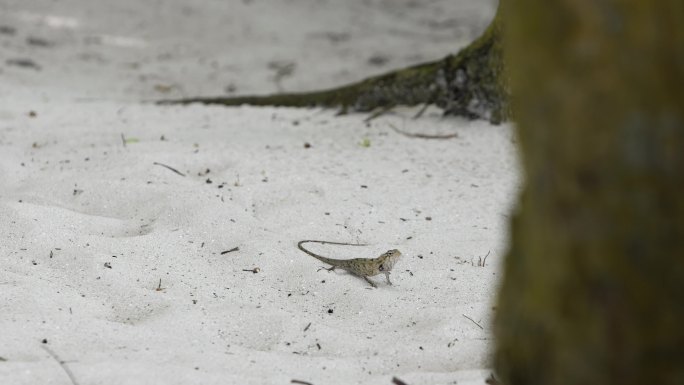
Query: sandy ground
column 114, row 267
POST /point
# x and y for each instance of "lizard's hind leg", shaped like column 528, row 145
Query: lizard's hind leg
column 370, row 282
column 331, row 268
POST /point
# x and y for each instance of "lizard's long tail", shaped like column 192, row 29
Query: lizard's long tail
column 320, row 257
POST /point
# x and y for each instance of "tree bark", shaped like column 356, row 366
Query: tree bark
column 593, row 288
column 469, row 84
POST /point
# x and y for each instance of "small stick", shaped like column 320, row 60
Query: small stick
column 422, row 111
column 484, row 261
column 300, row 382
column 397, row 381
column 159, row 288
column 61, row 363
column 169, row 167
column 307, row 326
column 422, row 136
column 380, row 112
column 230, row 251
column 478, row 325
column 491, row 380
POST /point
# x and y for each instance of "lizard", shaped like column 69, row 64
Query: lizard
column 362, row 267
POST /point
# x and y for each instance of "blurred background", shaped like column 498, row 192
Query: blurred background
column 175, row 48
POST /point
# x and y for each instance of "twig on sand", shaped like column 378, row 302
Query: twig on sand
column 491, row 380
column 422, row 136
column 230, row 251
column 397, row 381
column 378, row 113
column 484, row 261
column 169, row 167
column 473, row 321
column 61, row 363
column 422, row 110
column 300, row 382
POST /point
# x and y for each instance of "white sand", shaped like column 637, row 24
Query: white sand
column 91, row 226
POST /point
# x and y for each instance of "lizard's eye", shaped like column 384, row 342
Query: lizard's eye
column 381, row 268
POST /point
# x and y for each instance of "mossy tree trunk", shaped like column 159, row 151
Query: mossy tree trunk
column 594, row 280
column 469, row 84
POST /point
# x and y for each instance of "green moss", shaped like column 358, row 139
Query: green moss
column 466, row 84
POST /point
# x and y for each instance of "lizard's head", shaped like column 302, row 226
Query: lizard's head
column 389, row 258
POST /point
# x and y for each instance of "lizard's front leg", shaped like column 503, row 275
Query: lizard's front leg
column 387, row 277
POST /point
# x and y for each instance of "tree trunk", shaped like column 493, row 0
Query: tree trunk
column 593, row 288
column 469, row 84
